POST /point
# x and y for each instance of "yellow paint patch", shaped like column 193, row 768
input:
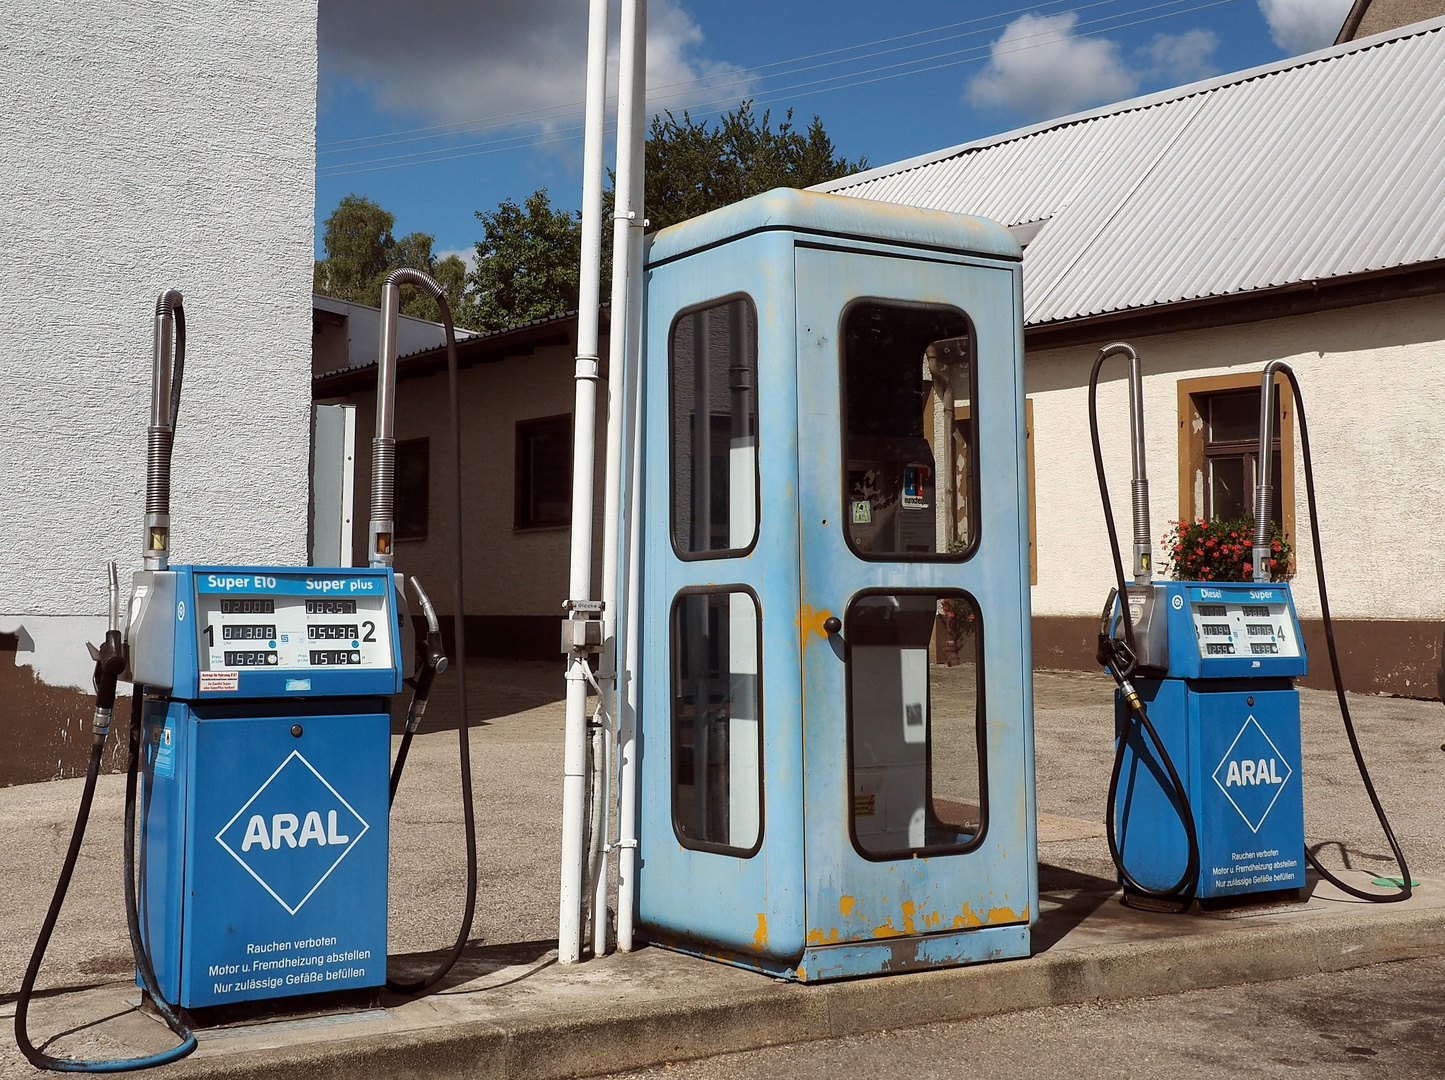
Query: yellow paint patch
column 887, row 930
column 817, row 937
column 1001, row 915
column 760, row 939
column 933, row 918
column 967, row 920
column 845, row 904
column 909, row 907
column 810, row 621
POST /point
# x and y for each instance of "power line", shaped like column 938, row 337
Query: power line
column 810, row 88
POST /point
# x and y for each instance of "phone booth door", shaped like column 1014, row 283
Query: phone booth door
column 914, row 535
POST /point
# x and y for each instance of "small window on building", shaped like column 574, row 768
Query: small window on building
column 544, row 473
column 717, row 768
column 713, row 366
column 413, row 489
column 1219, row 450
column 916, row 731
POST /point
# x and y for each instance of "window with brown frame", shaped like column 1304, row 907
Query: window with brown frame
column 1219, row 449
column 413, row 488
column 544, row 473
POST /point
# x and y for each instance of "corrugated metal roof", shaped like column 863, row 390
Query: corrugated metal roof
column 1320, row 166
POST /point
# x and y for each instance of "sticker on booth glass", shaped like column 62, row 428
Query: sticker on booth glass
column 915, row 477
column 862, row 512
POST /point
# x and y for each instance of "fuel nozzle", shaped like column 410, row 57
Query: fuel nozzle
column 110, row 662
column 1114, row 653
column 431, row 662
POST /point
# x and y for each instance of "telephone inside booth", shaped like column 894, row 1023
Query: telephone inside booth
column 835, row 717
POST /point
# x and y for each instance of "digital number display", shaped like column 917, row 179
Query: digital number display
column 1255, row 611
column 334, row 657
column 1217, row 630
column 248, row 606
column 1219, row 648
column 249, row 632
column 1212, row 611
column 251, row 659
column 1261, row 647
column 331, row 607
column 333, row 632
column 1260, row 629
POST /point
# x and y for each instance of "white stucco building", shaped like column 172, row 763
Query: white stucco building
column 146, row 147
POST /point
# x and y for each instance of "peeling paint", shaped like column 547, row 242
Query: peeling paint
column 909, row 908
column 817, row 937
column 760, row 939
column 845, row 905
column 810, row 621
column 887, row 929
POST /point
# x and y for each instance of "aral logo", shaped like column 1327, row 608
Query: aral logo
column 1252, row 774
column 293, row 832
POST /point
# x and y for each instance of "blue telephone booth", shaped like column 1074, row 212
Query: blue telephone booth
column 835, row 677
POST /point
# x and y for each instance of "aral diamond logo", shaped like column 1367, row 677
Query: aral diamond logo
column 293, row 832
column 1252, row 774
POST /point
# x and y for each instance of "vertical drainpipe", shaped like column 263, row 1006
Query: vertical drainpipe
column 584, row 434
column 632, row 98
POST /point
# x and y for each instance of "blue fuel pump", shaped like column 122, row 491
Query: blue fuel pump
column 1205, row 800
column 258, row 786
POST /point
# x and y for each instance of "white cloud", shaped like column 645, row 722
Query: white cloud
column 1175, row 59
column 452, row 63
column 1304, row 25
column 1038, row 69
column 467, row 255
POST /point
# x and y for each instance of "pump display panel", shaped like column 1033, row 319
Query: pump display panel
column 1244, row 627
column 281, row 623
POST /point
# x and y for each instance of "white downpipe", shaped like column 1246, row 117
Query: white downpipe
column 635, row 114
column 584, row 435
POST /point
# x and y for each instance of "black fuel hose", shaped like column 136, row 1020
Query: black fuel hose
column 142, row 959
column 1120, row 664
column 464, row 749
column 1406, row 888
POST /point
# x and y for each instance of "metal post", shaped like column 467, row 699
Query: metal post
column 1262, row 471
column 584, row 434
column 632, row 98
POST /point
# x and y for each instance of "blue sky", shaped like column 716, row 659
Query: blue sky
column 437, row 108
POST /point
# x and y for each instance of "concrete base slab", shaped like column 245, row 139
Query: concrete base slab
column 514, row 1012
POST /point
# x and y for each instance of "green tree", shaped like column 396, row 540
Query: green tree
column 692, row 168
column 361, row 252
column 527, row 264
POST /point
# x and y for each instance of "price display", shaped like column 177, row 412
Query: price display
column 256, row 658
column 335, row 657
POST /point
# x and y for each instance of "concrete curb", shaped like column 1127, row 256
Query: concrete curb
column 625, row 1031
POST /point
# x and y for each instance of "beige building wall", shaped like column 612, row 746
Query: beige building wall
column 1373, row 379
column 513, row 577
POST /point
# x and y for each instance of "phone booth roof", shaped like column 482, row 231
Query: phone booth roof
column 838, row 216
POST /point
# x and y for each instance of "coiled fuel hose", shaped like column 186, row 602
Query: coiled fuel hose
column 1405, row 888
column 433, row 662
column 1119, row 658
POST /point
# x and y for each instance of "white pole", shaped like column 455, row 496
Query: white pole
column 627, row 720
column 584, row 435
column 626, row 225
